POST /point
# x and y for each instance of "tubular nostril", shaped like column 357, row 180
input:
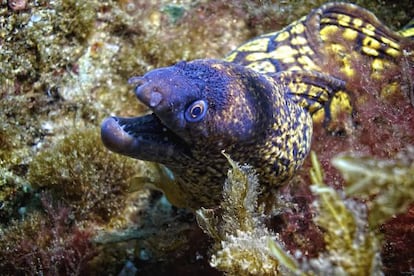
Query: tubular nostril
column 149, row 94
column 155, row 98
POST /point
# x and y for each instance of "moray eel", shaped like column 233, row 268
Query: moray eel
column 259, row 103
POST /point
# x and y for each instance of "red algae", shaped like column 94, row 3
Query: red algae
column 397, row 251
column 380, row 128
column 49, row 243
column 295, row 225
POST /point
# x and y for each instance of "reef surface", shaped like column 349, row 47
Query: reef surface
column 68, row 206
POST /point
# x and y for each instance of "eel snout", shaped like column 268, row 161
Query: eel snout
column 114, row 137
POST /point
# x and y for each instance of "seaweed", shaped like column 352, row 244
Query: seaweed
column 64, row 66
column 43, row 38
column 241, row 237
column 351, row 248
column 13, row 190
column 386, row 185
column 244, row 245
column 82, row 173
column 47, row 242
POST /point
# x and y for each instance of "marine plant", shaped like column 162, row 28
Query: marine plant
column 240, row 235
column 48, row 242
column 351, row 248
column 79, row 171
column 386, row 185
column 43, row 38
column 244, row 245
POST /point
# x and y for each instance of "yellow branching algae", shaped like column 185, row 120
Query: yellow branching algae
column 241, row 237
column 388, row 184
column 245, row 246
column 351, row 248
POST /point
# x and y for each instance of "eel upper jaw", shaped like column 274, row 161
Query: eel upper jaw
column 144, row 138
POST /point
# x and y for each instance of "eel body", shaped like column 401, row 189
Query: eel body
column 259, row 103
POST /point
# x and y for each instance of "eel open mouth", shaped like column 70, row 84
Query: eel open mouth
column 144, row 138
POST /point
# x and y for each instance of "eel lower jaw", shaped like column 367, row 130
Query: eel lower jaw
column 144, row 138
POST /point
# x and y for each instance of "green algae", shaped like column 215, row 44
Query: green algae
column 35, row 107
column 46, row 39
column 13, row 189
column 175, row 12
column 393, row 15
column 79, row 170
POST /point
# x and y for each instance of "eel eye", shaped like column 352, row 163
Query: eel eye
column 196, row 111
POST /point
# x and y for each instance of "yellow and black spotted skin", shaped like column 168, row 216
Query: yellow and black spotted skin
column 259, row 104
column 334, row 39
